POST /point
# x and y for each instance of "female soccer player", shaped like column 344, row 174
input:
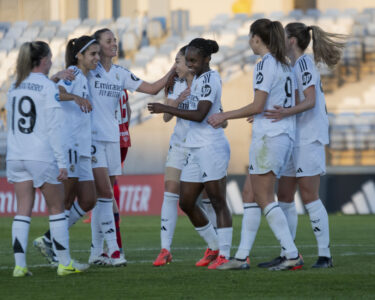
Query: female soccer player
column 271, row 142
column 35, row 156
column 307, row 163
column 105, row 84
column 209, row 153
column 81, row 55
column 177, row 91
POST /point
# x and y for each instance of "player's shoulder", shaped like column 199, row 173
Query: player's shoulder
column 305, row 64
column 267, row 61
column 209, row 77
column 125, row 72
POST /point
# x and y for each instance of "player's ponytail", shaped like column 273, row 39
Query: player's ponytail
column 172, row 77
column 76, row 46
column 327, row 47
column 29, row 56
column 273, row 36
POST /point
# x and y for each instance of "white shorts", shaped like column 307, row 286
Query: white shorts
column 177, row 157
column 106, row 155
column 270, row 154
column 39, row 172
column 85, row 169
column 71, row 155
column 207, row 163
column 306, row 160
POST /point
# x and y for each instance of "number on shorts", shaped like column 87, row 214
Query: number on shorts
column 28, row 115
column 288, row 93
column 71, row 153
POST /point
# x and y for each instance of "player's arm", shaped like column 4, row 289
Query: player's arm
column 280, row 112
column 83, row 103
column 174, row 103
column 67, row 74
column 197, row 115
column 128, row 109
column 256, row 107
column 155, row 87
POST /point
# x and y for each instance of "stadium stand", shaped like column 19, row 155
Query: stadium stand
column 352, row 131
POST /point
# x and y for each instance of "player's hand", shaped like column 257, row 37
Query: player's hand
column 155, row 108
column 276, row 114
column 216, row 120
column 83, row 104
column 63, row 174
column 250, row 119
column 66, row 74
column 183, row 95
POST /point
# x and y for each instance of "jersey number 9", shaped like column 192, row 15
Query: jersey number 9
column 26, row 109
column 288, row 93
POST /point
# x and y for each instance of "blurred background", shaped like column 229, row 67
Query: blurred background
column 150, row 32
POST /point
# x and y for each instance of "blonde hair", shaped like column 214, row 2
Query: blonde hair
column 327, row 47
column 29, row 56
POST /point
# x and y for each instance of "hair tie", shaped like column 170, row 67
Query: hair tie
column 85, row 47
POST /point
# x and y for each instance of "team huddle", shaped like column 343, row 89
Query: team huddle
column 64, row 138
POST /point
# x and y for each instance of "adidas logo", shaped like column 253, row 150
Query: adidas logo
column 163, row 228
column 316, row 229
column 204, row 175
column 299, row 170
column 98, row 76
column 109, row 231
column 363, row 201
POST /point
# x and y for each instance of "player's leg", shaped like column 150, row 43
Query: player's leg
column 209, row 209
column 309, row 189
column 116, row 213
column 189, row 193
column 25, row 194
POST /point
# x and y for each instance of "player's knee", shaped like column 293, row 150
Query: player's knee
column 186, row 206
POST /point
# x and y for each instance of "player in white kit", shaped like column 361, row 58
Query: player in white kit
column 209, row 153
column 177, row 91
column 272, row 142
column 35, row 156
column 106, row 83
column 307, row 162
column 82, row 55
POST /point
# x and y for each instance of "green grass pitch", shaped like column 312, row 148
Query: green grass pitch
column 352, row 245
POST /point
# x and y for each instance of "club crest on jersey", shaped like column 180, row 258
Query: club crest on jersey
column 117, row 77
column 135, row 78
column 57, row 97
column 306, row 78
column 206, row 90
column 72, row 168
column 259, row 78
column 67, row 82
column 94, row 159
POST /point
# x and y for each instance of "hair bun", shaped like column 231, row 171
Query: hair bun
column 213, row 46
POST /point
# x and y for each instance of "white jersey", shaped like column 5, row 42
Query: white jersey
column 206, row 87
column 35, row 121
column 277, row 80
column 312, row 125
column 77, row 123
column 105, row 90
column 182, row 126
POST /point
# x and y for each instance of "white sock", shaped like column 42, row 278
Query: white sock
column 107, row 224
column 20, row 236
column 58, row 226
column 168, row 219
column 225, row 240
column 277, row 221
column 97, row 238
column 76, row 212
column 210, row 212
column 290, row 212
column 319, row 222
column 208, row 233
column 250, row 224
